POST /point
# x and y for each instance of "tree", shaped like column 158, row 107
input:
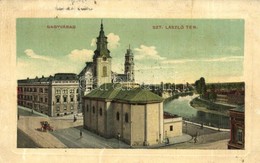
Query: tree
column 201, row 87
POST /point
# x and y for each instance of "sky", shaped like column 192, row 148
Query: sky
column 165, row 50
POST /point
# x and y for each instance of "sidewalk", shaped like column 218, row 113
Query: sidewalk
column 173, row 140
column 205, row 126
column 28, row 112
column 72, row 139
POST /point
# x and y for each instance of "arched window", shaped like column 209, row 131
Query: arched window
column 117, row 116
column 93, row 109
column 126, row 117
column 100, row 111
column 104, row 71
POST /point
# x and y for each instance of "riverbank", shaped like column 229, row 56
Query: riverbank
column 210, row 107
column 177, row 95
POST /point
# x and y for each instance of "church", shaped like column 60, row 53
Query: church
column 114, row 106
column 97, row 72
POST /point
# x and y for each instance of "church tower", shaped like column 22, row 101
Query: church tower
column 129, row 65
column 101, row 60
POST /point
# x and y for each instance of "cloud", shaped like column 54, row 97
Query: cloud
column 93, row 42
column 147, row 52
column 84, row 55
column 233, row 49
column 31, row 54
column 224, row 59
column 112, row 39
column 221, row 59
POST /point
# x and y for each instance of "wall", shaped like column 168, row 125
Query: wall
column 100, row 78
column 135, row 130
column 126, row 133
column 101, row 123
column 35, row 100
column 177, row 127
column 153, row 123
column 138, row 123
column 109, row 119
column 64, row 108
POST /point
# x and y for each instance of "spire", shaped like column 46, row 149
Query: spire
column 101, row 50
column 129, row 51
column 101, row 28
column 101, row 33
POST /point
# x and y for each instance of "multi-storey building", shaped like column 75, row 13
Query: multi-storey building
column 54, row 95
column 237, row 132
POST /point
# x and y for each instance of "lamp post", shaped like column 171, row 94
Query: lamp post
column 186, row 124
column 118, row 136
column 175, row 72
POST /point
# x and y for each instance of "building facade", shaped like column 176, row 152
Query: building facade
column 172, row 125
column 237, row 132
column 128, row 111
column 54, row 95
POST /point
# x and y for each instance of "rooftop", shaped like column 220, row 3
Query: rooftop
column 65, row 76
column 57, row 76
column 119, row 92
column 167, row 115
column 88, row 65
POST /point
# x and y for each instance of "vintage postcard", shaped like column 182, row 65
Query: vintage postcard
column 130, row 83
column 147, row 81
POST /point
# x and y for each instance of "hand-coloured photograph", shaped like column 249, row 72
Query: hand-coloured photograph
column 130, row 83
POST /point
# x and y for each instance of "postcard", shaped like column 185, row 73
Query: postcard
column 101, row 86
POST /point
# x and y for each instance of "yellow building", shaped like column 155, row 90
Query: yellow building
column 54, row 95
column 134, row 114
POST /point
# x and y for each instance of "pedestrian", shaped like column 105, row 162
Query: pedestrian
column 80, row 133
column 195, row 139
column 75, row 119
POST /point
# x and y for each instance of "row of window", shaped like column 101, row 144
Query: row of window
column 65, row 91
column 65, row 81
column 32, row 106
column 33, row 98
column 66, row 99
column 64, row 108
column 101, row 113
column 32, row 89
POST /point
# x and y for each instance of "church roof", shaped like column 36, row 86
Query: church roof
column 88, row 66
column 101, row 50
column 119, row 92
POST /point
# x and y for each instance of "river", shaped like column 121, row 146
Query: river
column 181, row 107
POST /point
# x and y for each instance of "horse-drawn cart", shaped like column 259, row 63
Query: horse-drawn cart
column 46, row 126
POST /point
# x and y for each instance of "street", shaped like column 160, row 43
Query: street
column 66, row 134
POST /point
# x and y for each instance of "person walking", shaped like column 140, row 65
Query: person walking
column 195, row 139
column 75, row 119
column 80, row 134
